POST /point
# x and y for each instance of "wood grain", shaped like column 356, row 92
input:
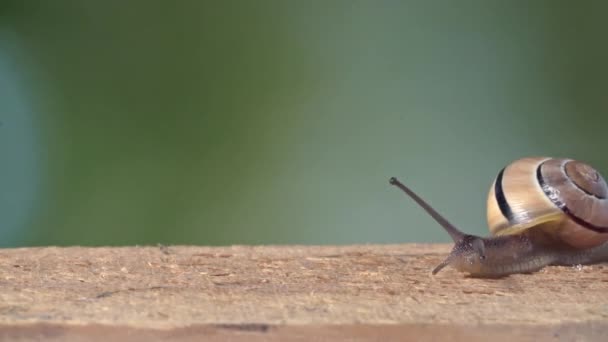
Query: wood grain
column 279, row 293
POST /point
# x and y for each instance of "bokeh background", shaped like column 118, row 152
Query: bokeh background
column 272, row 122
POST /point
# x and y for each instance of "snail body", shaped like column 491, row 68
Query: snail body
column 541, row 211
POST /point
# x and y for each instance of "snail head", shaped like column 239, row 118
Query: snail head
column 468, row 251
column 467, row 254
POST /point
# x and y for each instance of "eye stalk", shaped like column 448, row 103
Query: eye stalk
column 466, row 247
column 454, row 232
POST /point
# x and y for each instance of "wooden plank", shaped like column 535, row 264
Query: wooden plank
column 282, row 293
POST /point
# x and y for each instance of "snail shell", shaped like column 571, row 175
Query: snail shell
column 563, row 197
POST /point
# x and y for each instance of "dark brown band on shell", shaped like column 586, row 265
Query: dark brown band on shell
column 554, row 195
column 503, row 205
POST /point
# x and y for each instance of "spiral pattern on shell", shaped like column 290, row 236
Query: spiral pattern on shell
column 564, row 197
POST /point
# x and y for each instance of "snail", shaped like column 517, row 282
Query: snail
column 541, row 211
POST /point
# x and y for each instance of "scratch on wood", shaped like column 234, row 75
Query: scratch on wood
column 250, row 327
column 106, row 294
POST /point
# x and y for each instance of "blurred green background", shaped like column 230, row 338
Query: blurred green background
column 250, row 122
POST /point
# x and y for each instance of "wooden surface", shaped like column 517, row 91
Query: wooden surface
column 282, row 293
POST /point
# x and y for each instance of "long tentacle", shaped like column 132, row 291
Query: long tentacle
column 454, row 232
